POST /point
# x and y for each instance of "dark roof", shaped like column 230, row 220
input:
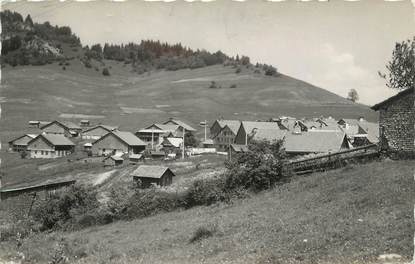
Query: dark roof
column 149, row 171
column 393, row 98
column 65, row 124
column 37, row 183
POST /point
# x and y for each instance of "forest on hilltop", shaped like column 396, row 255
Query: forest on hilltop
column 25, row 42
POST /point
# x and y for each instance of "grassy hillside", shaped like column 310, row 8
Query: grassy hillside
column 350, row 215
column 132, row 101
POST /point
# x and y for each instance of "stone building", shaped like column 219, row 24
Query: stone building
column 397, row 123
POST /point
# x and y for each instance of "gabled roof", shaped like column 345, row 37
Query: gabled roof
column 108, row 128
column 149, row 171
column 208, row 141
column 37, row 183
column 250, row 125
column 27, row 139
column 65, row 124
column 319, row 141
column 232, row 124
column 175, row 142
column 115, row 157
column 55, row 140
column 127, row 137
column 393, row 98
column 269, row 134
column 181, row 123
column 163, row 127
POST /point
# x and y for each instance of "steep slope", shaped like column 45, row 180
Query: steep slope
column 132, row 101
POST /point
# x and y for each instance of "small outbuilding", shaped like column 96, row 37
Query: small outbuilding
column 150, row 174
column 397, row 122
column 113, row 160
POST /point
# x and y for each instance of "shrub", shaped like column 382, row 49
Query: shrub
column 205, row 192
column 238, row 70
column 23, row 154
column 64, row 68
column 62, row 209
column 202, row 233
column 233, row 86
column 105, row 72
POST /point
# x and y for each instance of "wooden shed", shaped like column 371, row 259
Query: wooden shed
column 113, row 160
column 150, row 174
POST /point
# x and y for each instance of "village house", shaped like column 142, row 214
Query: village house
column 50, row 146
column 20, row 144
column 359, row 131
column 154, row 135
column 226, row 136
column 85, row 123
column 250, row 130
column 172, row 144
column 117, row 142
column 113, row 160
column 315, row 141
column 219, row 124
column 68, row 129
column 97, row 132
column 148, row 175
column 182, row 125
column 397, row 123
column 37, row 123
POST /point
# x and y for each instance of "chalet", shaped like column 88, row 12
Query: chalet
column 68, row 129
column 37, row 123
column 40, row 188
column 113, row 160
column 172, row 144
column 182, row 125
column 97, row 132
column 226, row 136
column 318, row 141
column 153, row 135
column 219, row 124
column 117, row 142
column 397, row 122
column 50, row 146
column 249, row 129
column 148, row 175
column 20, row 144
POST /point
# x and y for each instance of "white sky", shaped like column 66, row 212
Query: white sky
column 337, row 45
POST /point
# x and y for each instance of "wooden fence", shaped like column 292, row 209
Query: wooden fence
column 334, row 160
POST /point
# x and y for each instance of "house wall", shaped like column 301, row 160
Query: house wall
column 108, row 145
column 96, row 133
column 224, row 138
column 39, row 148
column 397, row 125
column 215, row 128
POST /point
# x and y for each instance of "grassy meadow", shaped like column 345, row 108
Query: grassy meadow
column 350, row 215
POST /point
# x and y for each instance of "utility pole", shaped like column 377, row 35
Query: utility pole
column 205, row 128
column 183, row 143
column 152, row 138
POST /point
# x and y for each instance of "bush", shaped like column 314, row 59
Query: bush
column 202, row 233
column 23, row 154
column 233, row 86
column 213, row 84
column 238, row 70
column 206, row 192
column 65, row 209
column 105, row 72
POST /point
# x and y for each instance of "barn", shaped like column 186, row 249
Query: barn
column 118, row 142
column 397, row 123
column 97, row 132
column 149, row 174
column 20, row 144
column 66, row 128
column 50, row 146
